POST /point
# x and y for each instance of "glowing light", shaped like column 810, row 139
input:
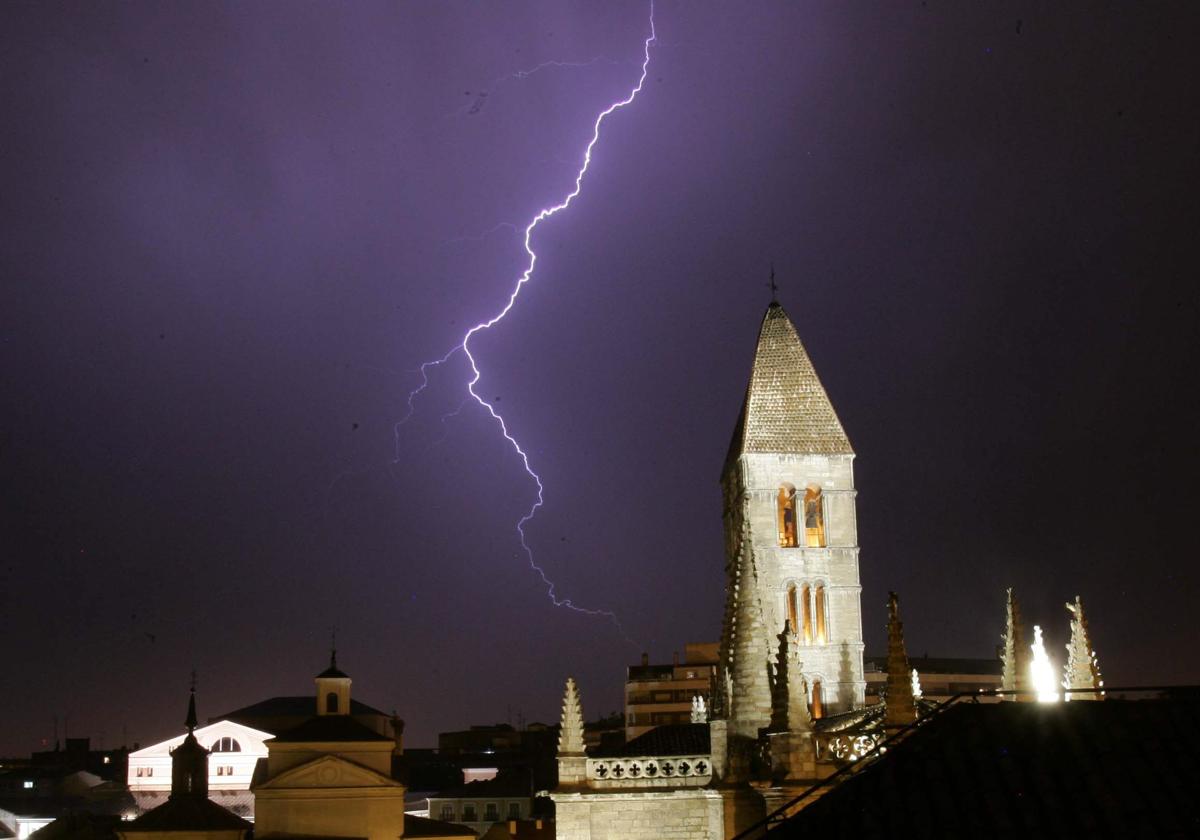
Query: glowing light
column 916, row 685
column 465, row 344
column 1042, row 671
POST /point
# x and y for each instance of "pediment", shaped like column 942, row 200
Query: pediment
column 251, row 740
column 328, row 771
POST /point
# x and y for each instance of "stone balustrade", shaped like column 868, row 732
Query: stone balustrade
column 638, row 771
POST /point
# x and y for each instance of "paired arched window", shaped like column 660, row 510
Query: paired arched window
column 226, row 744
column 331, row 703
column 788, row 529
column 791, row 507
column 814, row 518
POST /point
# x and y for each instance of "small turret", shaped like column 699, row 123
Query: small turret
column 333, row 689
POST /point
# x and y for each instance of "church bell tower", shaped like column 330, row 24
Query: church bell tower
column 791, row 538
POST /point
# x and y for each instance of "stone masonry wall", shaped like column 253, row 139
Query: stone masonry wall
column 657, row 815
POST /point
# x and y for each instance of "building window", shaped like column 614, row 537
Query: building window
column 468, row 813
column 787, row 516
column 331, row 703
column 814, row 518
column 514, row 810
column 28, row 784
column 447, row 812
column 491, row 812
column 818, row 700
column 822, row 633
column 226, row 744
column 806, row 596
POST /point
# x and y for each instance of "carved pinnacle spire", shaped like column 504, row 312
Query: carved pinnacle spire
column 570, row 734
column 1016, row 653
column 1082, row 669
column 901, row 707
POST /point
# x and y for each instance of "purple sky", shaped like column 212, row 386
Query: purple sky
column 232, row 232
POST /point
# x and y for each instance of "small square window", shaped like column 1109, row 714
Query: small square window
column 28, row 784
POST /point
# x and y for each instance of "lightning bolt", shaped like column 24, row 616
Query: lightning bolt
column 464, row 346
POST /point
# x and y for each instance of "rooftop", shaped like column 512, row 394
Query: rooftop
column 1010, row 769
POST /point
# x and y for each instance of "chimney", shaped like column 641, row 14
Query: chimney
column 645, row 659
column 675, row 657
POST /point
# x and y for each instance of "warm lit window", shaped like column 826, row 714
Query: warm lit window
column 331, row 703
column 806, row 596
column 787, row 516
column 793, row 615
column 818, row 700
column 226, row 744
column 822, row 635
column 814, row 518
column 447, row 812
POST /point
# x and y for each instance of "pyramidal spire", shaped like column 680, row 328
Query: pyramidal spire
column 1016, row 654
column 570, row 733
column 1082, row 669
column 786, row 408
column 901, row 706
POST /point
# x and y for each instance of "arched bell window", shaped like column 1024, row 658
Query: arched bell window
column 818, row 700
column 806, row 630
column 788, row 529
column 793, row 614
column 814, row 518
column 822, row 617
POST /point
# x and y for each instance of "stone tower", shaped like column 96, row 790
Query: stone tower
column 791, row 553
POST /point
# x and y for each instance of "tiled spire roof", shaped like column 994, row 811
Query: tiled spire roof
column 786, row 408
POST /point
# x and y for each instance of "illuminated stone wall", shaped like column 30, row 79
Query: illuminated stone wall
column 696, row 814
column 754, row 487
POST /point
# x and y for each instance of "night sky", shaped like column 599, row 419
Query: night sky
column 229, row 235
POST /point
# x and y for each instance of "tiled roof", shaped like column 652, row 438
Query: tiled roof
column 187, row 813
column 668, row 739
column 1082, row 769
column 786, row 408
column 329, row 728
column 301, row 706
